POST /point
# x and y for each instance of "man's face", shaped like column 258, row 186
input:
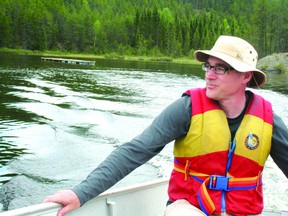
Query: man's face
column 222, row 86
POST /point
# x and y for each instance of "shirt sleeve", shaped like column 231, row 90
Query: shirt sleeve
column 279, row 149
column 172, row 123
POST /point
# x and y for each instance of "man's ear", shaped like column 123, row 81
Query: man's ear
column 248, row 76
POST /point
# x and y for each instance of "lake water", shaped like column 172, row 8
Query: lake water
column 59, row 121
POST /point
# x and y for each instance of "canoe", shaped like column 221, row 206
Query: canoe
column 146, row 199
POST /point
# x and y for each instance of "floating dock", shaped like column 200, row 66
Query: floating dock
column 69, row 61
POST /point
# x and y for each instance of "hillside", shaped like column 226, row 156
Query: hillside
column 157, row 28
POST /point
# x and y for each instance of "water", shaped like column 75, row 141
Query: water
column 59, row 121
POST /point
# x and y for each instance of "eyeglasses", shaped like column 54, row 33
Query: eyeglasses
column 216, row 69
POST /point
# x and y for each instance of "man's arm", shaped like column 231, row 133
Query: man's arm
column 171, row 124
column 279, row 150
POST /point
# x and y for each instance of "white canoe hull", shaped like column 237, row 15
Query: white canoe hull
column 148, row 199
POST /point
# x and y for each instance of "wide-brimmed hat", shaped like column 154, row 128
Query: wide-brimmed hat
column 239, row 54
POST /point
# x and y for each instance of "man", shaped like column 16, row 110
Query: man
column 223, row 135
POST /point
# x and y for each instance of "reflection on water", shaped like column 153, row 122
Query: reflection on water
column 8, row 152
column 59, row 121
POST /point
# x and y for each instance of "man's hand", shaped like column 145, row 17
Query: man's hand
column 67, row 198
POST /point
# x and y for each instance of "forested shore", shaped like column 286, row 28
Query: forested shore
column 173, row 28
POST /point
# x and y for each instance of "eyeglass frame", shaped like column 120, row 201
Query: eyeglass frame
column 207, row 67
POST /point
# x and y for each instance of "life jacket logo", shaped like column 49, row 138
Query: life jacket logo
column 252, row 141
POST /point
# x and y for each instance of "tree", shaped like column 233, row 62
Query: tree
column 260, row 20
column 97, row 30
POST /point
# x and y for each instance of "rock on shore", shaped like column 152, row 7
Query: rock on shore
column 277, row 62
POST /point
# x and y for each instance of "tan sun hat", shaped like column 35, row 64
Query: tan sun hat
column 239, row 54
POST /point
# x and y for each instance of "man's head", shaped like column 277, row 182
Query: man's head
column 238, row 54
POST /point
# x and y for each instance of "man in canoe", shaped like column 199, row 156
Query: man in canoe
column 223, row 135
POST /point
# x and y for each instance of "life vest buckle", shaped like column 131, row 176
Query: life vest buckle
column 218, row 182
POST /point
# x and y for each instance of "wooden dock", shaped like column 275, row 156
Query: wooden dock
column 69, row 61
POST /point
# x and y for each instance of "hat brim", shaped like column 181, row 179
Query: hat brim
column 259, row 77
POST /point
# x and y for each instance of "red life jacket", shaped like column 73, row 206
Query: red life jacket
column 214, row 173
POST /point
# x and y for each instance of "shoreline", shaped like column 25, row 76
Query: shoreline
column 279, row 65
column 183, row 60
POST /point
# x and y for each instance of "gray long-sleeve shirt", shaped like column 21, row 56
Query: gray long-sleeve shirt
column 172, row 123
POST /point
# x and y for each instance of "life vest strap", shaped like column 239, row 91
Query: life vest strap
column 217, row 182
column 188, row 172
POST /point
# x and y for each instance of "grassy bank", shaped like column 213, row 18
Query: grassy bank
column 183, row 60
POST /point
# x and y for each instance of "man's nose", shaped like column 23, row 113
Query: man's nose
column 210, row 74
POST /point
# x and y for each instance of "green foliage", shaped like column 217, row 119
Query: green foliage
column 264, row 67
column 280, row 68
column 141, row 27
